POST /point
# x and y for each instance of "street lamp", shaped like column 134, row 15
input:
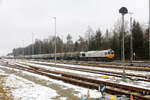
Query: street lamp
column 55, row 38
column 123, row 11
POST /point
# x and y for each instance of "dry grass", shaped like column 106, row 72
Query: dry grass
column 3, row 92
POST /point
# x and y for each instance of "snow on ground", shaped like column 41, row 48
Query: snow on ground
column 99, row 68
column 87, row 74
column 63, row 98
column 22, row 89
column 27, row 90
column 81, row 90
column 61, row 69
column 8, row 60
column 1, row 71
column 97, row 76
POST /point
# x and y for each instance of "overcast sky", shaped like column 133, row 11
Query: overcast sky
column 19, row 18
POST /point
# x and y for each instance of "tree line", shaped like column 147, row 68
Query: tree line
column 95, row 40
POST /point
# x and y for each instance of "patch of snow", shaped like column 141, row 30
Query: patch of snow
column 63, row 98
column 138, row 86
column 1, row 71
column 80, row 90
column 99, row 68
column 22, row 89
column 65, row 70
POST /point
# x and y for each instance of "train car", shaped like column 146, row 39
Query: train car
column 105, row 55
column 71, row 55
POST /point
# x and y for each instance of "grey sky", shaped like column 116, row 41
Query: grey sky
column 19, row 18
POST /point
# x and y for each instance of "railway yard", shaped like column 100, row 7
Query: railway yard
column 72, row 79
column 75, row 50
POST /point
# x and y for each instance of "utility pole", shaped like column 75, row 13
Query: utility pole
column 123, row 11
column 55, row 37
column 40, row 51
column 23, row 50
column 32, row 45
column 149, row 29
column 131, row 39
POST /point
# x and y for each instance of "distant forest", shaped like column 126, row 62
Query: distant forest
column 95, row 40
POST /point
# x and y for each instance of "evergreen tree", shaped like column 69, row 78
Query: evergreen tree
column 69, row 43
column 137, row 39
column 98, row 40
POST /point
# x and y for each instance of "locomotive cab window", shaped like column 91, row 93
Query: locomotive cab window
column 83, row 54
column 112, row 52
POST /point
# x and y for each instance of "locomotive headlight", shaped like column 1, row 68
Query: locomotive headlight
column 110, row 56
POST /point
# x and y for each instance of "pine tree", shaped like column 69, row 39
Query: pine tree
column 137, row 39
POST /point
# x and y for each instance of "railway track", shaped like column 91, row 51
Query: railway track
column 106, row 64
column 113, row 88
column 110, row 73
column 119, row 63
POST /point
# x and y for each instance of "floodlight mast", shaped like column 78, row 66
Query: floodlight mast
column 123, row 11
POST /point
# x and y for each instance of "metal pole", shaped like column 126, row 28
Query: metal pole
column 123, row 11
column 14, row 54
column 149, row 29
column 123, row 56
column 23, row 50
column 32, row 45
column 131, row 41
column 55, row 38
column 40, row 51
column 123, row 53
